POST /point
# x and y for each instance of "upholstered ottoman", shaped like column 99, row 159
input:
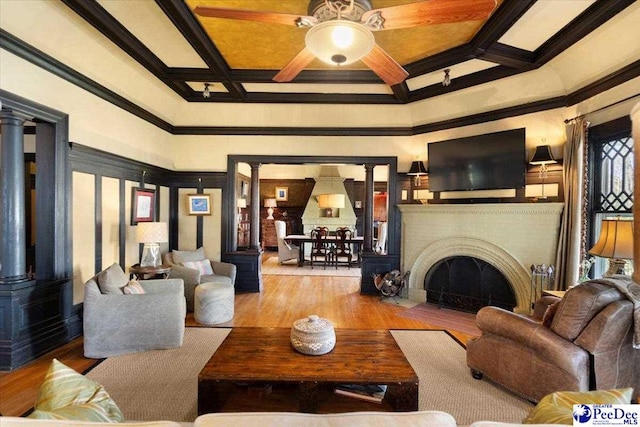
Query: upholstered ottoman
column 213, row 303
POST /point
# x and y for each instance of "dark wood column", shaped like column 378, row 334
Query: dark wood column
column 368, row 208
column 254, row 231
column 12, row 190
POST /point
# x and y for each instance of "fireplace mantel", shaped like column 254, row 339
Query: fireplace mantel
column 510, row 236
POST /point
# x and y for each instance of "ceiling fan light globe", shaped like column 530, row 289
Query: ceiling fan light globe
column 339, row 39
column 342, row 37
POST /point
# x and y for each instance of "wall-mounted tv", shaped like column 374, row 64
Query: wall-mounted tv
column 484, row 162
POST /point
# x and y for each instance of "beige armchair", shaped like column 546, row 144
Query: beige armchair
column 587, row 345
column 286, row 251
column 223, row 272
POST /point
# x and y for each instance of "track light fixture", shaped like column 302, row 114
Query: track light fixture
column 447, row 79
column 206, row 93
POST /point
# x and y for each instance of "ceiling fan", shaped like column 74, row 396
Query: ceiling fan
column 340, row 31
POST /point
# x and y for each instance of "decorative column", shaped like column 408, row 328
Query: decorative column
column 368, row 208
column 12, row 212
column 254, row 231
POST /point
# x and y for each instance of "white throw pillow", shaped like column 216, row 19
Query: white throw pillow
column 203, row 266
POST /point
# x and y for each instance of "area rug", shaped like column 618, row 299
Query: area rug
column 443, row 318
column 160, row 384
column 163, row 384
column 270, row 266
column 446, row 383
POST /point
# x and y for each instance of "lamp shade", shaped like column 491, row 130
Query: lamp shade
column 542, row 156
column 615, row 241
column 339, row 42
column 330, row 201
column 270, row 203
column 417, row 168
column 152, row 232
column 242, row 203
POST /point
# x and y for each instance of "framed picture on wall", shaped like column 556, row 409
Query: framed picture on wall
column 199, row 204
column 282, row 194
column 244, row 189
column 143, row 205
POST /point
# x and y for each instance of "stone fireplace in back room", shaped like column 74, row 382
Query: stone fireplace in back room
column 508, row 237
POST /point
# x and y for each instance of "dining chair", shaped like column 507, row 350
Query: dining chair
column 342, row 249
column 320, row 247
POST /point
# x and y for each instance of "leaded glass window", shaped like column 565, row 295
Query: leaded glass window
column 615, row 159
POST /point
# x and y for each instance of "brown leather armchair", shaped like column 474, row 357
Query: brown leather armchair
column 587, row 346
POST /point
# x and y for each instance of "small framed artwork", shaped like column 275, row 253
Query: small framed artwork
column 143, row 203
column 244, row 189
column 282, row 194
column 358, row 204
column 199, row 204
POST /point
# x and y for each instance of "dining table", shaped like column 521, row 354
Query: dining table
column 302, row 239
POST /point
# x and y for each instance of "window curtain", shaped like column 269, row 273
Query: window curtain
column 572, row 236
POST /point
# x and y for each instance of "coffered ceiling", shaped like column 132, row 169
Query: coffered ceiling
column 240, row 58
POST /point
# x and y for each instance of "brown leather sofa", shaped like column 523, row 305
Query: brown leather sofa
column 587, row 346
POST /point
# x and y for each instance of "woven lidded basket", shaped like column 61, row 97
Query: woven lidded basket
column 313, row 335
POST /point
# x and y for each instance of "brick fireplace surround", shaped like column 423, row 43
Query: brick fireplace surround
column 509, row 236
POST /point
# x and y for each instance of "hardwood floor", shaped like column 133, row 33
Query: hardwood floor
column 283, row 300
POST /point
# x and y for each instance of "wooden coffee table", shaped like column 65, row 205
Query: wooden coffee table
column 259, row 370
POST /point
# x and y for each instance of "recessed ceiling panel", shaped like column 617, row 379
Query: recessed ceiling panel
column 150, row 25
column 374, row 89
column 542, row 21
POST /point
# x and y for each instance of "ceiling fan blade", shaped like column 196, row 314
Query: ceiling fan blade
column 293, row 68
column 429, row 12
column 252, row 15
column 385, row 66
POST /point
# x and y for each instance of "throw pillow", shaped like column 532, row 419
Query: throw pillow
column 203, row 266
column 68, row 395
column 547, row 318
column 186, row 256
column 112, row 280
column 133, row 288
column 557, row 408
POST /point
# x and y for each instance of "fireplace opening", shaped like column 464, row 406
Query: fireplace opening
column 468, row 284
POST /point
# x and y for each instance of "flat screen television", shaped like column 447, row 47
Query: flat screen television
column 484, row 162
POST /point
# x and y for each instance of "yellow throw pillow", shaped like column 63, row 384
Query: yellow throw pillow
column 557, row 408
column 68, row 395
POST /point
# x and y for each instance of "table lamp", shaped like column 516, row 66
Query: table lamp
column 151, row 234
column 616, row 243
column 543, row 157
column 270, row 204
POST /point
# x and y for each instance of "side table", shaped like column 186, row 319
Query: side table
column 144, row 273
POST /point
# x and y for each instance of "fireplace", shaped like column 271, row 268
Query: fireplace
column 468, row 284
column 508, row 236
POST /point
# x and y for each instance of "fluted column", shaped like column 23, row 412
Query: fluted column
column 254, row 231
column 368, row 208
column 12, row 212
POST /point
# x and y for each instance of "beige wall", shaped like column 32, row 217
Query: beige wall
column 211, row 224
column 110, row 221
column 83, row 232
